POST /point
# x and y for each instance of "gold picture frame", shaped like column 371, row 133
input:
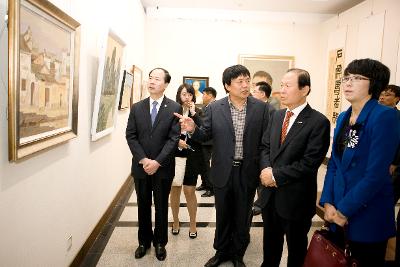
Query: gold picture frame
column 276, row 66
column 43, row 69
column 137, row 84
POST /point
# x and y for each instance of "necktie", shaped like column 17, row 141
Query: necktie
column 285, row 125
column 153, row 112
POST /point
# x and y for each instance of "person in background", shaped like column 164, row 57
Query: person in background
column 390, row 97
column 209, row 95
column 358, row 191
column 236, row 124
column 262, row 91
column 296, row 143
column 152, row 134
column 263, row 76
column 192, row 150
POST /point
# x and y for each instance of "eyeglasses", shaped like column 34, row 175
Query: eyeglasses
column 354, row 78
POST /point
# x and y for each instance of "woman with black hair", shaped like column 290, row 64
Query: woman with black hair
column 186, row 174
column 357, row 192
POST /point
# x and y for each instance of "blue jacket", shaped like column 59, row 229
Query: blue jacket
column 359, row 184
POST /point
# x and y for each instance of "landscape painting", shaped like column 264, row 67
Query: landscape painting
column 43, row 92
column 108, row 86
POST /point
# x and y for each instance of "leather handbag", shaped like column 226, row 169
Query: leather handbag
column 322, row 252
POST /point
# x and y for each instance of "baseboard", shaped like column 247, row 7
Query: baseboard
column 99, row 226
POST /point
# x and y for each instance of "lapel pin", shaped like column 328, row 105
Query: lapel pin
column 165, row 106
column 300, row 122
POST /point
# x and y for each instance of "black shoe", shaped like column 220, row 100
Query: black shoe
column 208, row 193
column 140, row 251
column 201, row 188
column 256, row 210
column 238, row 263
column 193, row 235
column 216, row 260
column 161, row 253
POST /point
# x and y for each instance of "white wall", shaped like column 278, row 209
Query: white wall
column 66, row 190
column 205, row 47
column 352, row 18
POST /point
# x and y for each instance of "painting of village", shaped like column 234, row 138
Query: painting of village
column 107, row 89
column 45, row 84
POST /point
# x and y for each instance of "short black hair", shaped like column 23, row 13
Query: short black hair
column 393, row 88
column 210, row 91
column 167, row 77
column 189, row 89
column 233, row 72
column 303, row 78
column 265, row 87
column 378, row 74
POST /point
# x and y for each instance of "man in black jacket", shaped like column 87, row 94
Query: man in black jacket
column 152, row 135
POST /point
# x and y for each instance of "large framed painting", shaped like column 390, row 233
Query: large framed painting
column 276, row 66
column 108, row 87
column 198, row 83
column 43, row 68
column 126, row 91
column 137, row 84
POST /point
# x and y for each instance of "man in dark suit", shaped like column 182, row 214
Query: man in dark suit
column 296, row 142
column 235, row 124
column 153, row 134
column 209, row 95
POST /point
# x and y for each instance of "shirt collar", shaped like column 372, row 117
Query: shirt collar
column 231, row 104
column 159, row 101
column 296, row 111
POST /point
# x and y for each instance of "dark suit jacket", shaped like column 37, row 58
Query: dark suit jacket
column 158, row 142
column 218, row 126
column 295, row 163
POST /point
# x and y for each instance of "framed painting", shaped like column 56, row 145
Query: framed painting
column 43, row 68
column 145, row 91
column 137, row 84
column 126, row 91
column 108, row 86
column 276, row 66
column 198, row 83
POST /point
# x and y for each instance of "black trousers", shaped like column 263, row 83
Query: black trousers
column 233, row 207
column 275, row 228
column 205, row 173
column 160, row 189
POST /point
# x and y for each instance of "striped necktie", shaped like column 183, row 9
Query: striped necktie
column 285, row 125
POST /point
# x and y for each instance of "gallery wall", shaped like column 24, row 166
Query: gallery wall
column 64, row 191
column 205, row 46
column 389, row 40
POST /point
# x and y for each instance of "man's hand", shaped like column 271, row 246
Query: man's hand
column 187, row 124
column 266, row 177
column 150, row 166
column 182, row 144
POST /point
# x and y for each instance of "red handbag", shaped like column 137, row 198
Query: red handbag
column 324, row 253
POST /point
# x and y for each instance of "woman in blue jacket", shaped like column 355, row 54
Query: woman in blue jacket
column 357, row 190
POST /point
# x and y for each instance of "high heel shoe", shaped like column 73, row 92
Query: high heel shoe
column 175, row 231
column 193, row 235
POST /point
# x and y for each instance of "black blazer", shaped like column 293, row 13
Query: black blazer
column 158, row 142
column 217, row 125
column 295, row 163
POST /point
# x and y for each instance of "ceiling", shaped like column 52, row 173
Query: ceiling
column 300, row 6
